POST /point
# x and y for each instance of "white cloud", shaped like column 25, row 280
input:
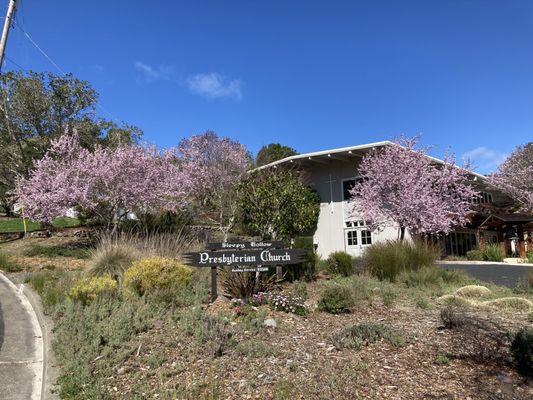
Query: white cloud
column 214, row 86
column 484, row 160
column 148, row 72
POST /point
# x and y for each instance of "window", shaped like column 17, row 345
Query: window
column 351, row 237
column 366, row 237
column 346, row 187
column 482, row 198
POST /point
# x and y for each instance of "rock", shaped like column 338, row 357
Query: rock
column 121, row 371
column 270, row 322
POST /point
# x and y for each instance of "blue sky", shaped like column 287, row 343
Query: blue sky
column 312, row 75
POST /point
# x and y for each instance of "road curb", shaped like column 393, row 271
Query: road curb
column 40, row 354
column 444, row 262
column 50, row 374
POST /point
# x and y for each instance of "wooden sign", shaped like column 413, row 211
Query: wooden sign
column 226, row 258
column 260, row 244
column 244, row 257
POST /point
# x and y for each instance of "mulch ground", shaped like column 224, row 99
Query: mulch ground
column 300, row 362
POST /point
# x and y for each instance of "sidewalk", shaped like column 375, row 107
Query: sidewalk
column 21, row 346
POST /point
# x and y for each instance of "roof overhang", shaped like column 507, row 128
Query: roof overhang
column 342, row 154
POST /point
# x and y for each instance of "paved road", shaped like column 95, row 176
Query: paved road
column 500, row 274
column 20, row 346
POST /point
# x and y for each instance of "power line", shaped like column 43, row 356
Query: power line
column 15, row 64
column 57, row 66
column 39, row 48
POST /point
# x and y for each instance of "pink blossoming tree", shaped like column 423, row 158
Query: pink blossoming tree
column 515, row 177
column 215, row 165
column 403, row 187
column 110, row 182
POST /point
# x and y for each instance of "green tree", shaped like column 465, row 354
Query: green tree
column 273, row 152
column 36, row 108
column 277, row 205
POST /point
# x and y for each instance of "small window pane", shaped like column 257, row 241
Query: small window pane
column 366, row 237
column 351, row 238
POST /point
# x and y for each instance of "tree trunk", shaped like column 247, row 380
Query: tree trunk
column 402, row 233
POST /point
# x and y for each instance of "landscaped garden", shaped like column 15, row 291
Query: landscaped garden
column 131, row 321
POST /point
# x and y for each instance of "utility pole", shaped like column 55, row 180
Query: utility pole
column 7, row 24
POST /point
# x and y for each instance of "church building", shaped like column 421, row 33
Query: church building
column 333, row 172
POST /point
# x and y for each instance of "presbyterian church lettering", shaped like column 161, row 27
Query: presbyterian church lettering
column 242, row 258
column 245, row 257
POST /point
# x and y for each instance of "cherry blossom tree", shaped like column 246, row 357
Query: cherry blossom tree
column 515, row 177
column 215, row 165
column 110, row 182
column 403, row 187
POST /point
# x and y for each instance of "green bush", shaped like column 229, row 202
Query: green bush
column 474, row 255
column 529, row 257
column 307, row 269
column 88, row 289
column 339, row 263
column 432, row 276
column 365, row 333
column 522, row 350
column 8, row 265
column 150, row 274
column 387, row 260
column 336, row 299
column 493, row 252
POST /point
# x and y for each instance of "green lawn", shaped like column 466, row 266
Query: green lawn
column 16, row 225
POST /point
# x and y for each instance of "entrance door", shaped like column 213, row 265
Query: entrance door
column 356, row 239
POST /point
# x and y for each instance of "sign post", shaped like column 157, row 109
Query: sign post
column 244, row 257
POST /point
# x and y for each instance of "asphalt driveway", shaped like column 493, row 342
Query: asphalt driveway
column 499, row 274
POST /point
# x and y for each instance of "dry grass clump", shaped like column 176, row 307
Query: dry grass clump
column 473, row 291
column 454, row 300
column 115, row 253
column 112, row 257
column 510, row 303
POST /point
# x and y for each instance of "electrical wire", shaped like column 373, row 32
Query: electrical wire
column 27, row 35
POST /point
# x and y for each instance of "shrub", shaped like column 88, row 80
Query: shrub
column 88, row 289
column 388, row 296
column 454, row 300
column 336, row 299
column 476, row 337
column 474, row 255
column 339, row 263
column 529, row 257
column 522, row 350
column 52, row 286
column 493, row 252
column 387, row 260
column 243, row 285
column 8, row 265
column 510, row 303
column 155, row 273
column 299, row 289
column 112, row 259
column 116, row 252
column 365, row 333
column 427, row 276
column 473, row 291
column 307, row 269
